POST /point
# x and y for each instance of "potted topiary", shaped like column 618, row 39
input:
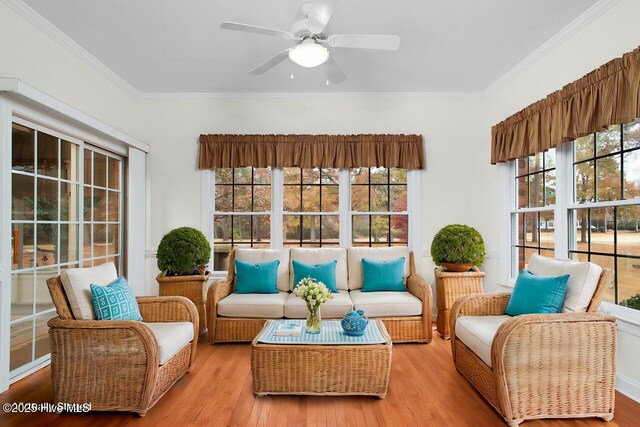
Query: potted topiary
column 459, row 249
column 182, row 257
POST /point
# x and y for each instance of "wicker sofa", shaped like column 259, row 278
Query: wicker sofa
column 539, row 365
column 239, row 317
column 120, row 365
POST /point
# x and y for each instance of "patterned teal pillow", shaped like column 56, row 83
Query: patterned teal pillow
column 115, row 301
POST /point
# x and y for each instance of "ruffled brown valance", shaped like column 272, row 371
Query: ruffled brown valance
column 309, row 151
column 606, row 96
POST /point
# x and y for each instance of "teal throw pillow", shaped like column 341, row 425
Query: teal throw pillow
column 256, row 278
column 115, row 301
column 537, row 294
column 383, row 275
column 325, row 273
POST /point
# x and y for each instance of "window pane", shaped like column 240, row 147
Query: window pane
column 531, row 229
column 223, row 198
column 536, row 190
column 632, row 174
column 22, row 294
column 360, row 229
column 584, row 176
column 21, row 246
column 629, row 231
column 330, row 230
column 550, row 187
column 68, row 161
column 398, row 176
column 242, row 175
column 47, row 200
column 242, row 198
column 21, row 197
column 68, row 243
column 581, row 230
column 21, row 343
column 261, row 198
column 114, row 173
column 261, row 229
column 360, row 176
column 536, row 163
column 22, row 148
column 113, row 239
column 224, row 176
column 291, row 198
column 113, row 211
column 330, row 196
column 379, row 198
column 329, row 176
column 547, row 233
column 42, row 346
column 99, row 240
column 628, row 283
column 379, row 175
column 221, row 229
column 241, row 228
column 522, row 192
column 550, row 159
column 68, row 201
column 86, row 245
column 311, row 229
column 99, row 170
column 262, row 175
column 292, row 175
column 88, row 168
column 88, row 197
column 606, row 262
column 608, row 141
column 311, row 176
column 311, row 198
column 522, row 167
column 609, row 178
column 360, row 198
column 47, row 161
column 380, row 229
column 99, row 205
column 399, row 228
column 602, row 230
column 398, row 200
column 42, row 296
column 583, row 148
column 631, row 134
column 291, row 228
column 47, row 236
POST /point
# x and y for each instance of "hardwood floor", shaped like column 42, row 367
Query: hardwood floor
column 425, row 390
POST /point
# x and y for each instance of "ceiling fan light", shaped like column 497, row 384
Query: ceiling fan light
column 309, row 54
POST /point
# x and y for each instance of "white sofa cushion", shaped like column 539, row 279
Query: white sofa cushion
column 321, row 256
column 583, row 280
column 477, row 332
column 264, row 255
column 355, row 256
column 77, row 285
column 386, row 304
column 270, row 306
column 171, row 337
column 341, row 304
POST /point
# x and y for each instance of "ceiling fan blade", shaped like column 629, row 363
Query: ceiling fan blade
column 246, row 28
column 271, row 62
column 334, row 73
column 320, row 14
column 364, row 41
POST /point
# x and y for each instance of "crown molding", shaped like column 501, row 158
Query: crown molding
column 327, row 95
column 566, row 33
column 41, row 23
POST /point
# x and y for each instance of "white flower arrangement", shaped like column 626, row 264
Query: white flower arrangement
column 313, row 293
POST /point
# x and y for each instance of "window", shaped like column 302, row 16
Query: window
column 242, row 211
column 311, row 205
column 533, row 216
column 294, row 207
column 48, row 225
column 595, row 214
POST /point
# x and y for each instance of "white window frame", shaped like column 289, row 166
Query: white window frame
column 345, row 213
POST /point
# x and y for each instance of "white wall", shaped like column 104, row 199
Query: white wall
column 609, row 36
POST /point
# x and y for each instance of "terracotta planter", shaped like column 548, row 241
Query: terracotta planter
column 193, row 287
column 458, row 268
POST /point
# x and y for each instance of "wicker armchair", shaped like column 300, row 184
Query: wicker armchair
column 543, row 366
column 114, row 365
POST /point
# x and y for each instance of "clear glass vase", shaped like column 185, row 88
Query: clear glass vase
column 313, row 321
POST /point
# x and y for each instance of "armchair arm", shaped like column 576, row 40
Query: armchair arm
column 168, row 309
column 421, row 289
column 559, row 358
column 85, row 354
column 476, row 305
column 217, row 291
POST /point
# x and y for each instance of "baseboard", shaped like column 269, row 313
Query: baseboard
column 628, row 387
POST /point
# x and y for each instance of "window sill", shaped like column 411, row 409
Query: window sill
column 628, row 318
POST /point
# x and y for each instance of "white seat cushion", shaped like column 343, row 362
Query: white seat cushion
column 77, row 285
column 256, row 256
column 386, row 304
column 171, row 337
column 269, row 306
column 583, row 280
column 477, row 332
column 321, row 256
column 355, row 255
column 295, row 308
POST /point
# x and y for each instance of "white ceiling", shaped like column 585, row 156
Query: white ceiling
column 177, row 46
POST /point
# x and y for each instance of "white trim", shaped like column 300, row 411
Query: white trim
column 208, row 188
column 5, row 242
column 628, row 318
column 324, row 95
column 277, row 208
column 414, row 205
column 41, row 23
column 628, row 387
column 31, row 95
column 563, row 35
column 31, row 367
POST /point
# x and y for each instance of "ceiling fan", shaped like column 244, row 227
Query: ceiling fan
column 312, row 40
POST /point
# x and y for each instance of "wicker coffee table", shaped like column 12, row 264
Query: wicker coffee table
column 321, row 369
